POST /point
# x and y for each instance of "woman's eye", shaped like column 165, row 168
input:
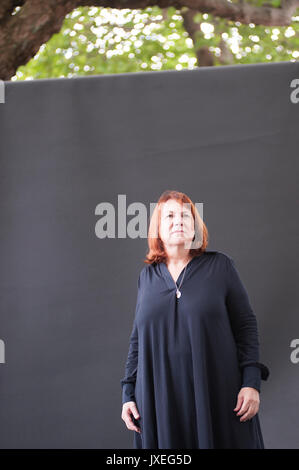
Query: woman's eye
column 184, row 215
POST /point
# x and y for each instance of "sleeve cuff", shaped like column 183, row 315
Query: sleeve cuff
column 252, row 377
column 265, row 372
column 128, row 392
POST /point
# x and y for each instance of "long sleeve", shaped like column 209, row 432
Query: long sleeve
column 244, row 326
column 129, row 379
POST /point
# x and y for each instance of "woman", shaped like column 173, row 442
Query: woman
column 192, row 376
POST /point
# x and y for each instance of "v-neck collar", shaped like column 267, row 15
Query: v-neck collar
column 168, row 277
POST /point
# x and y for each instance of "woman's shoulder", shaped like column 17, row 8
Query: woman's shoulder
column 143, row 272
column 220, row 256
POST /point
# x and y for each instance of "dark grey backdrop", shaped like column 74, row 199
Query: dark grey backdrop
column 228, row 137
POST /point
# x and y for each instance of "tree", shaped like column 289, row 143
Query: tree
column 27, row 26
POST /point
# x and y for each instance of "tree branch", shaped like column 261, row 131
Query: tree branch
column 22, row 35
column 243, row 12
column 204, row 56
column 8, row 6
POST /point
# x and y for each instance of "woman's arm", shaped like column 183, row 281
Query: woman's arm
column 244, row 327
column 129, row 379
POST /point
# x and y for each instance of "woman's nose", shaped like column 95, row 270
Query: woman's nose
column 178, row 221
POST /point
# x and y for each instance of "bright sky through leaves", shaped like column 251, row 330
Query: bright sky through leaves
column 103, row 41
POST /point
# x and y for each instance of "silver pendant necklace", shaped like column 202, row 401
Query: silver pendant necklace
column 178, row 292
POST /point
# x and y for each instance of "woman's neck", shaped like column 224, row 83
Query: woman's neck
column 178, row 257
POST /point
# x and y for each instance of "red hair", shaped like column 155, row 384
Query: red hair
column 157, row 253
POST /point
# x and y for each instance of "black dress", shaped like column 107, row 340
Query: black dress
column 189, row 357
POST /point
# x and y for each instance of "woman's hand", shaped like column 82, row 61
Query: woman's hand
column 248, row 403
column 130, row 408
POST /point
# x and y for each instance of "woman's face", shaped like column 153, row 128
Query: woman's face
column 176, row 224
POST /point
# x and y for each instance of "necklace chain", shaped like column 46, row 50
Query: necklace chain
column 182, row 278
column 178, row 292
